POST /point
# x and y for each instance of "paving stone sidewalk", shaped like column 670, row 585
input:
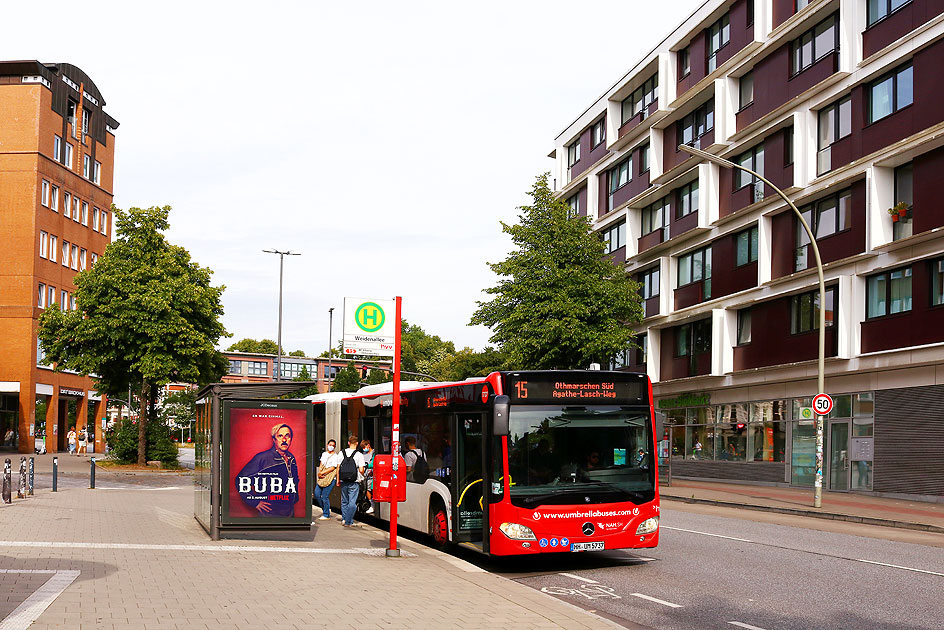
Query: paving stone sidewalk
column 135, row 557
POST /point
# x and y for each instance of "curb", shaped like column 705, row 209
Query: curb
column 832, row 516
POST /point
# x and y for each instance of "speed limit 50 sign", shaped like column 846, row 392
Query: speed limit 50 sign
column 822, row 404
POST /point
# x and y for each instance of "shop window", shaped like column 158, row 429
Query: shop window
column 746, row 245
column 731, row 433
column 767, row 435
column 804, row 311
column 814, row 44
column 888, row 293
column 863, row 414
column 890, row 93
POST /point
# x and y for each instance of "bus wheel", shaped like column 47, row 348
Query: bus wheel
column 439, row 526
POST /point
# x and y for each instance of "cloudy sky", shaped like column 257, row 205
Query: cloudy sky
column 383, row 141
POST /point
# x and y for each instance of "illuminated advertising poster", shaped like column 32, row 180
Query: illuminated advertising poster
column 266, row 462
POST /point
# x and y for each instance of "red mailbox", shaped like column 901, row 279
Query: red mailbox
column 387, row 481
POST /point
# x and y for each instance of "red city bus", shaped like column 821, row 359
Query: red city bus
column 519, row 462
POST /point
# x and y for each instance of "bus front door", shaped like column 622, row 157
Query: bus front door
column 469, row 510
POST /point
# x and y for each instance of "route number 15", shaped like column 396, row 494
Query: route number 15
column 521, row 389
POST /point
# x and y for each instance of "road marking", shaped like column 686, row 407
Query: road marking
column 898, row 566
column 34, row 605
column 692, row 531
column 744, row 625
column 211, row 548
column 577, row 577
column 658, row 601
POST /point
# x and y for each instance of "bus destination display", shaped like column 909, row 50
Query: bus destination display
column 575, row 389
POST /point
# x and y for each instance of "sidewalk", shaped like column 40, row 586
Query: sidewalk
column 124, row 556
column 857, row 508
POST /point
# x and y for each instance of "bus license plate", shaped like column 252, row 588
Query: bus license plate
column 596, row 545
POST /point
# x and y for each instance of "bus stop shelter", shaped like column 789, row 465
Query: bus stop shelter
column 253, row 449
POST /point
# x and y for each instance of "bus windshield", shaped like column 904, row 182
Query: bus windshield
column 593, row 454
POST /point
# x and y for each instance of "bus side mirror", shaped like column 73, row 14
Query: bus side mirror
column 500, row 421
column 660, row 425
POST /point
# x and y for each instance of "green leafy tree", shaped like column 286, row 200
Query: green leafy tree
column 561, row 302
column 147, row 316
column 467, row 363
column 297, row 353
column 375, row 377
column 347, row 380
column 303, row 374
column 266, row 346
column 420, row 351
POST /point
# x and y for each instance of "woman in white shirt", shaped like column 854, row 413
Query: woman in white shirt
column 327, row 477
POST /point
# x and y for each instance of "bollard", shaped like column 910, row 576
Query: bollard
column 92, row 475
column 55, row 472
column 21, row 487
column 7, row 481
column 29, row 484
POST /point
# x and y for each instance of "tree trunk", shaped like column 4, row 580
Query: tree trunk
column 142, row 423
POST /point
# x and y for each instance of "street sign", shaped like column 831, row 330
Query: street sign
column 370, row 327
column 822, row 404
column 806, row 415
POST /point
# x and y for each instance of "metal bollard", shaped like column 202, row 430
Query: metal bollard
column 92, row 475
column 55, row 472
column 32, row 468
column 7, row 474
column 21, row 487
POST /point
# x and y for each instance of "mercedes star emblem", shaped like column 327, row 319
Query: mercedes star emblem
column 587, row 529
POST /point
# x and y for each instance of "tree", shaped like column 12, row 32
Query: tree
column 420, row 351
column 348, row 379
column 467, row 363
column 147, row 316
column 266, row 346
column 297, row 353
column 303, row 374
column 561, row 302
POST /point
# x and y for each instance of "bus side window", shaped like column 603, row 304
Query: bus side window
column 498, row 471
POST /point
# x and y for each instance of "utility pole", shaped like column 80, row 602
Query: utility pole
column 330, row 344
column 282, row 255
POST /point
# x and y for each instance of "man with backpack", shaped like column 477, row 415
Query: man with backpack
column 417, row 469
column 350, row 474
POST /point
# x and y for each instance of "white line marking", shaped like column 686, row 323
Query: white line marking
column 692, row 531
column 34, row 605
column 658, row 601
column 897, row 566
column 744, row 625
column 136, row 488
column 231, row 548
column 577, row 577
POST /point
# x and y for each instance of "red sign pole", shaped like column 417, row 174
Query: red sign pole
column 394, row 551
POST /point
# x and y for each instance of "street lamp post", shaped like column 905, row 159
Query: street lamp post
column 282, row 255
column 330, row 344
column 821, row 376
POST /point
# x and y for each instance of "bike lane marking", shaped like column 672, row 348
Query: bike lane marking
column 577, row 577
column 744, row 625
column 656, row 600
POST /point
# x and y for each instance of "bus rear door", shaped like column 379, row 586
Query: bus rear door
column 470, row 511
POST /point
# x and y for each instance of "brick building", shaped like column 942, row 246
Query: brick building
column 838, row 103
column 57, row 155
column 250, row 367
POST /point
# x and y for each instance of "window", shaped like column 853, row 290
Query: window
column 744, row 326
column 650, row 283
column 83, row 255
column 644, row 158
column 65, row 253
column 692, row 127
column 835, row 123
column 614, row 237
column 97, row 172
column 746, row 246
column 880, row 9
column 804, row 311
column 53, row 247
column 746, row 90
column 573, row 153
column 71, row 115
column 754, row 160
column 94, row 259
column 655, row 216
column 74, row 259
column 85, row 213
column 85, row 120
column 293, row 370
column 57, row 149
column 937, row 282
column 750, row 13
column 235, row 367
column 695, row 267
column 72, row 305
column 619, row 176
column 891, row 93
column 684, row 62
column 69, row 149
column 694, row 338
column 640, row 100
column 75, row 209
column 719, row 34
column 44, row 198
column 51, row 296
column 826, row 217
column 104, row 223
column 95, row 219
column 43, row 244
column 800, row 5
column 598, row 133
column 41, row 296
column 63, row 300
column 904, row 192
column 888, row 293
column 687, row 200
column 66, row 204
column 86, row 167
column 814, row 44
column 642, row 354
column 258, row 368
column 54, row 199
column 573, row 206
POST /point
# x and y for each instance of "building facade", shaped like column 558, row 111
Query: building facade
column 57, row 155
column 839, row 104
column 249, row 367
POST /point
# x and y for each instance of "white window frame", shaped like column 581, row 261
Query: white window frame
column 43, row 244
column 93, row 259
column 57, row 149
column 54, row 199
column 41, row 296
column 44, row 195
column 103, row 226
column 97, row 172
column 65, row 253
column 75, row 208
column 72, row 305
column 53, row 248
column 74, row 257
column 86, row 166
column 83, row 256
column 85, row 213
column 63, row 300
column 51, row 295
column 95, row 219
column 69, row 151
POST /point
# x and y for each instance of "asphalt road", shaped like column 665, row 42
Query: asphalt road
column 717, row 569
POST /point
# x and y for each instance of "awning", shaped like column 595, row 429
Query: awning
column 255, row 390
column 10, row 387
column 44, row 390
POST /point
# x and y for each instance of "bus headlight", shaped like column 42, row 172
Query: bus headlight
column 648, row 526
column 516, row 531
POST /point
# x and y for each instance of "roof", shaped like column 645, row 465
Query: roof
column 254, row 390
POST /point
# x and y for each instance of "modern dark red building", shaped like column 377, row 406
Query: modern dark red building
column 840, row 105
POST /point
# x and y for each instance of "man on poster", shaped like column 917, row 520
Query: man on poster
column 269, row 481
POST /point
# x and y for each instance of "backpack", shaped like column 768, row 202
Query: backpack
column 420, row 467
column 347, row 471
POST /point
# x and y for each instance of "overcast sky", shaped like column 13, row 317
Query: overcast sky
column 383, row 141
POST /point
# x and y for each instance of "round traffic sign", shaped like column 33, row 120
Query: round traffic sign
column 822, row 404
